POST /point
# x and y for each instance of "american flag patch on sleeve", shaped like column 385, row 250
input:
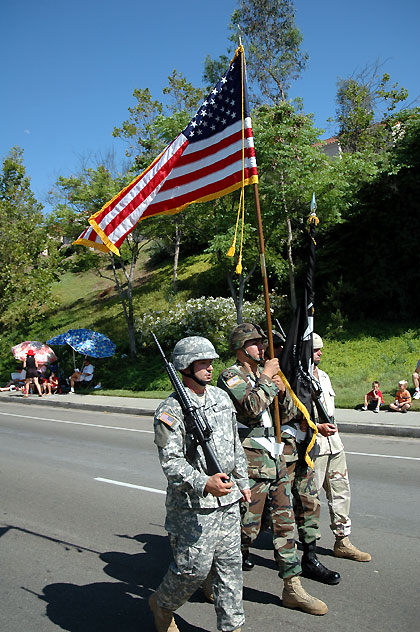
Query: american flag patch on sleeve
column 233, row 381
column 167, row 418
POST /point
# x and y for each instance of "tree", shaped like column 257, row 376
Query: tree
column 366, row 105
column 78, row 197
column 380, row 233
column 151, row 126
column 272, row 42
column 29, row 260
column 291, row 167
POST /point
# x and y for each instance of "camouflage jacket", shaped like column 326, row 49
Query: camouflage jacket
column 252, row 395
column 187, row 475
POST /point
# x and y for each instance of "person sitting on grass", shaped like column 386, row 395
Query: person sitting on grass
column 402, row 398
column 373, row 399
column 85, row 375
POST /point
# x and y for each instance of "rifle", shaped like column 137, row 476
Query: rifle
column 196, row 423
column 316, row 392
column 280, row 328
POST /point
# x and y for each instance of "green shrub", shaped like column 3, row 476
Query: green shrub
column 213, row 318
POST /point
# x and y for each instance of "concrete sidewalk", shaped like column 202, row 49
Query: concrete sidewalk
column 349, row 420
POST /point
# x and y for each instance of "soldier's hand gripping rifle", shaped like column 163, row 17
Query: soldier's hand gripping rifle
column 196, row 423
column 316, row 391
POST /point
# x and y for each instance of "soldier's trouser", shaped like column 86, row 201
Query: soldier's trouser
column 332, row 475
column 306, row 503
column 204, row 540
column 276, row 495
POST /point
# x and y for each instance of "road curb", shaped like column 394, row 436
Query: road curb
column 344, row 426
column 124, row 410
column 379, row 429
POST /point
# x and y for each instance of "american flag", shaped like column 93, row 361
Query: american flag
column 91, row 239
column 211, row 157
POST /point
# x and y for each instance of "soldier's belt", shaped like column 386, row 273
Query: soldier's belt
column 256, row 432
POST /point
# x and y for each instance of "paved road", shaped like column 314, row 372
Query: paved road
column 83, row 542
column 350, row 420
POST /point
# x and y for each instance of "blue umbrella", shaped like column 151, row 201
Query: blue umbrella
column 86, row 341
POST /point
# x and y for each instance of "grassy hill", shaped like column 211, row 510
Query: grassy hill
column 354, row 357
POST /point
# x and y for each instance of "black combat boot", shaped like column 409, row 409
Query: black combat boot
column 312, row 567
column 247, row 564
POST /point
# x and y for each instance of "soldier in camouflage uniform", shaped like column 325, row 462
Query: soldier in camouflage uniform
column 331, row 467
column 252, row 388
column 203, row 519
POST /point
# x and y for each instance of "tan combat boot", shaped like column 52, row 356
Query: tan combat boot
column 164, row 620
column 295, row 596
column 344, row 548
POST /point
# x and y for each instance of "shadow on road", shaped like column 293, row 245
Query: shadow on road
column 114, row 606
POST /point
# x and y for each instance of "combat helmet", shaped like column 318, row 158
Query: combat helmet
column 244, row 332
column 278, row 338
column 188, row 350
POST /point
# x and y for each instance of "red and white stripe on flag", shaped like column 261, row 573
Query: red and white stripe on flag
column 214, row 155
column 91, row 239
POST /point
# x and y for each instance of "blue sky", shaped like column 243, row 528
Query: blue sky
column 69, row 69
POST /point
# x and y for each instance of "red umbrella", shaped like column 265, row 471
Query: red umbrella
column 43, row 353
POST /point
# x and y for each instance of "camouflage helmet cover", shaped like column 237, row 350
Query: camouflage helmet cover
column 244, row 332
column 278, row 338
column 188, row 350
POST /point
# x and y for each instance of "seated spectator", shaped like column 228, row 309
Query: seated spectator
column 16, row 383
column 416, row 381
column 402, row 398
column 42, row 376
column 373, row 399
column 50, row 386
column 85, row 375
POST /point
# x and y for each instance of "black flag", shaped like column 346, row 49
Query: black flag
column 297, row 355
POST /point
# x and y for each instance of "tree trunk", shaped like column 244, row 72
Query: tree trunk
column 127, row 306
column 234, row 295
column 238, row 295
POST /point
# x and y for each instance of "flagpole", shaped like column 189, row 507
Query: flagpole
column 267, row 303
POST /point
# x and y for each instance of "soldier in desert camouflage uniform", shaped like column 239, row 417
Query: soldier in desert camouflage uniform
column 203, row 519
column 252, row 389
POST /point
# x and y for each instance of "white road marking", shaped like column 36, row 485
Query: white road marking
column 145, row 489
column 78, row 423
column 385, row 456
column 81, row 423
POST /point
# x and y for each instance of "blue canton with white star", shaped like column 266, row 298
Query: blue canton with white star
column 221, row 108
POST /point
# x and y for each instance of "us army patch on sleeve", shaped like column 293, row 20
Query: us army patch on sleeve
column 167, row 419
column 233, row 381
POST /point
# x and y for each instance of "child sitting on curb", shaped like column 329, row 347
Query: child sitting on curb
column 373, row 399
column 402, row 398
